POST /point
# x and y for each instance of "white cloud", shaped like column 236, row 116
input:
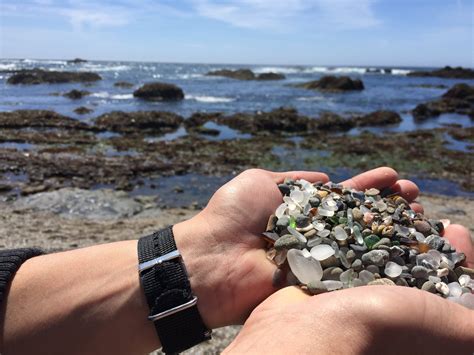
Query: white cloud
column 281, row 14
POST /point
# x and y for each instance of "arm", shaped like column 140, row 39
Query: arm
column 90, row 301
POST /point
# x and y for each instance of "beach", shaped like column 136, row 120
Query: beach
column 87, row 158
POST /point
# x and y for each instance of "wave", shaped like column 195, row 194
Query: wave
column 282, row 70
column 11, row 66
column 400, row 71
column 313, row 98
column 329, row 70
column 189, row 76
column 209, row 99
column 43, row 61
column 106, row 95
column 103, row 67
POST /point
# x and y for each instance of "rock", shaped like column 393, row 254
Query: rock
column 240, row 74
column 379, row 118
column 316, row 287
column 159, row 92
column 288, row 241
column 139, row 121
column 329, row 262
column 271, row 76
column 76, row 94
column 206, row 131
column 459, row 99
column 328, row 121
column 123, row 84
column 332, row 273
column 82, row 110
column 376, row 257
column 422, row 227
column 357, row 265
column 333, row 84
column 77, row 203
column 76, row 61
column 420, row 272
column 429, row 286
column 39, row 119
column 39, row 76
column 382, row 281
column 461, row 270
column 447, row 73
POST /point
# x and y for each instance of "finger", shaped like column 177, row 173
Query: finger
column 378, row 178
column 310, row 176
column 415, row 206
column 407, row 189
column 460, row 238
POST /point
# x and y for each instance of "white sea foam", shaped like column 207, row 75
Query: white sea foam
column 106, row 95
column 10, row 66
column 43, row 61
column 313, row 98
column 155, row 76
column 189, row 76
column 400, row 71
column 209, row 99
column 282, row 70
column 103, row 67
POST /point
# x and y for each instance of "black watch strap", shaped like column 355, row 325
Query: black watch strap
column 173, row 307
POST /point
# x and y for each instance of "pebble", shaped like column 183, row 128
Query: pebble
column 332, row 285
column 357, row 265
column 461, row 270
column 422, row 227
column 310, row 234
column 429, row 286
column 376, row 257
column 305, row 269
column 392, row 269
column 420, row 272
column 316, row 287
column 322, row 251
column 332, row 273
column 382, row 242
column 366, row 276
column 455, row 289
column 288, row 241
column 442, row 288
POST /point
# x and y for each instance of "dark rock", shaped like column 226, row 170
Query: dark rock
column 373, row 70
column 159, row 92
column 387, row 70
column 333, row 122
column 333, row 84
column 39, row 76
column 123, row 84
column 76, row 94
column 77, row 61
column 200, row 118
column 139, row 121
column 379, row 118
column 82, row 110
column 206, row 131
column 240, row 74
column 447, row 73
column 430, row 86
column 39, row 119
column 459, row 99
column 271, row 76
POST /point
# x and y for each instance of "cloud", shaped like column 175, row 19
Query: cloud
column 283, row 14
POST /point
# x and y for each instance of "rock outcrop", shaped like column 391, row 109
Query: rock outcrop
column 139, row 122
column 39, row 76
column 246, row 74
column 158, row 91
column 270, row 76
column 76, row 94
column 333, row 84
column 76, row 61
column 447, row 73
column 459, row 99
column 39, row 119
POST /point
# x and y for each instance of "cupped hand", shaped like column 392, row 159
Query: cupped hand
column 368, row 319
column 223, row 249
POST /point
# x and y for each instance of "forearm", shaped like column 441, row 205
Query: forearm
column 82, row 301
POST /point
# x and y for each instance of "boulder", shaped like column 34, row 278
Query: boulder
column 447, row 73
column 139, row 122
column 76, row 94
column 82, row 110
column 159, row 92
column 379, row 118
column 76, row 61
column 333, row 84
column 39, row 76
column 123, row 84
column 271, row 76
column 240, row 74
column 460, row 92
column 329, row 121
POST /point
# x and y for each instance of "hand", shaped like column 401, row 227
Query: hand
column 373, row 319
column 223, row 249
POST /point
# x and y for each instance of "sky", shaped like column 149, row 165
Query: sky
column 292, row 32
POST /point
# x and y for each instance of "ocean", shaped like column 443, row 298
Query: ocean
column 385, row 88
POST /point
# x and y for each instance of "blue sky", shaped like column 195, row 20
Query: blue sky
column 317, row 32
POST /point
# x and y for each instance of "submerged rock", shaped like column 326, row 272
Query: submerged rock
column 333, row 84
column 240, row 74
column 39, row 76
column 271, row 76
column 159, row 92
column 123, row 84
column 76, row 94
column 139, row 121
column 447, row 73
column 82, row 110
column 379, row 118
column 76, row 61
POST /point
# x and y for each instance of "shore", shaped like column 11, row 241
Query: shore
column 24, row 225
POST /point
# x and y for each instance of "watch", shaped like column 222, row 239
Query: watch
column 173, row 307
